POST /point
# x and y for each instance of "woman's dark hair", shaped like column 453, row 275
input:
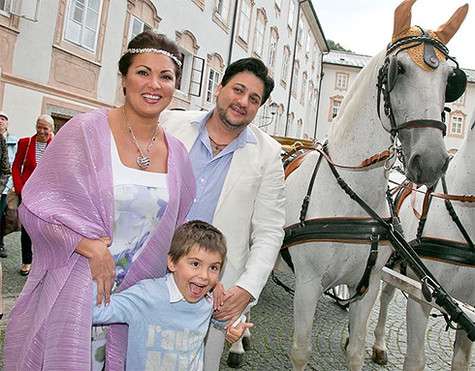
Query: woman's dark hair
column 254, row 66
column 149, row 39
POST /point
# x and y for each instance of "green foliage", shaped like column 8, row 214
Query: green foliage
column 336, row 46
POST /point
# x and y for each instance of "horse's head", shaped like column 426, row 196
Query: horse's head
column 417, row 78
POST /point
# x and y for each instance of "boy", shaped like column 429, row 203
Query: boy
column 169, row 317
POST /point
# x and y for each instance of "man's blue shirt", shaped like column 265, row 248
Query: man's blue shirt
column 210, row 171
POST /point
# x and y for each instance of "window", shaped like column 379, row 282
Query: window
column 335, row 104
column 300, row 33
column 299, row 128
column 222, row 9
column 82, row 23
column 259, row 33
column 274, row 38
column 307, row 45
column 192, row 69
column 456, row 125
column 285, row 63
column 341, row 81
column 295, row 80
column 213, row 82
column 304, row 88
column 137, row 26
column 245, row 20
column 5, row 6
column 290, row 19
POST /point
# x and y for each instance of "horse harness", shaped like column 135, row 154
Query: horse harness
column 372, row 230
column 448, row 251
column 336, row 229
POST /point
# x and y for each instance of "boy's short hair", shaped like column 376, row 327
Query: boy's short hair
column 196, row 232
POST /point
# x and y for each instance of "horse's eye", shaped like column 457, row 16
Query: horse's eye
column 400, row 68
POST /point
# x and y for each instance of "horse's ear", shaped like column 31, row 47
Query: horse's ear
column 448, row 29
column 402, row 18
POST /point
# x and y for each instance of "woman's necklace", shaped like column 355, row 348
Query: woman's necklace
column 143, row 159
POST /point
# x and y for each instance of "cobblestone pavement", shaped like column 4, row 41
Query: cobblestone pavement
column 271, row 338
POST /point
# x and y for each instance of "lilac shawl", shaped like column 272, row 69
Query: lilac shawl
column 70, row 196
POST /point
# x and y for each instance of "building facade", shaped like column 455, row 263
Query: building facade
column 340, row 70
column 60, row 56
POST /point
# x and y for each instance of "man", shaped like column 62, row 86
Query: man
column 11, row 142
column 240, row 185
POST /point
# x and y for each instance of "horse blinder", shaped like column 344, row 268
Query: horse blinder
column 456, row 85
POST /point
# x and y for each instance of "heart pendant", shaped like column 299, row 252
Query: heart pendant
column 143, row 162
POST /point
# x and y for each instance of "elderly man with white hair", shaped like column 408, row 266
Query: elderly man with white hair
column 29, row 153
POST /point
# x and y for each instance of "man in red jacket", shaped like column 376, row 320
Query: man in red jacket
column 29, row 153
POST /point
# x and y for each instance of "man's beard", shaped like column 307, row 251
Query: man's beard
column 229, row 124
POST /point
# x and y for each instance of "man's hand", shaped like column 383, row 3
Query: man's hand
column 236, row 300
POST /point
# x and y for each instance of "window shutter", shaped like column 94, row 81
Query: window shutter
column 196, row 81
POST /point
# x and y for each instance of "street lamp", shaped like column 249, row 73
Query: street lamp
column 272, row 110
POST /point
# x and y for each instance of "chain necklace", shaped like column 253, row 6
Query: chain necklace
column 216, row 147
column 143, row 159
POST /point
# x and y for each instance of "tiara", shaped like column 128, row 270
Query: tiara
column 153, row 50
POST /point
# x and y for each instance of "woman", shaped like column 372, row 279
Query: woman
column 108, row 177
column 29, row 153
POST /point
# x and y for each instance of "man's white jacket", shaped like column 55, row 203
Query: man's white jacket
column 251, row 207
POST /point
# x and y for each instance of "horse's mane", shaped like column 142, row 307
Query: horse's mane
column 362, row 93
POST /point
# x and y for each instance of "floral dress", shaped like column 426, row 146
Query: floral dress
column 140, row 200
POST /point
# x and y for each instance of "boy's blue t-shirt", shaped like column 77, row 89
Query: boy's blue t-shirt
column 165, row 331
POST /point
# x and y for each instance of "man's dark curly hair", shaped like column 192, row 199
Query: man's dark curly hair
column 254, row 66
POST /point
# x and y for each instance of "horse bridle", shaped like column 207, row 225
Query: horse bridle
column 388, row 73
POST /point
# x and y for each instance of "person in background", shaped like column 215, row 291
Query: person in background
column 29, row 153
column 4, row 175
column 239, row 186
column 11, row 141
column 101, row 206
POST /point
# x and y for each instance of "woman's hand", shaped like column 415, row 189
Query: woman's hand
column 101, row 264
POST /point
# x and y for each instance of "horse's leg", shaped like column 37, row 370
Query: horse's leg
column 358, row 326
column 462, row 352
column 417, row 316
column 237, row 349
column 307, row 293
column 380, row 355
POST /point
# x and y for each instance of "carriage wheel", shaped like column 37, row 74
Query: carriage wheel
column 341, row 293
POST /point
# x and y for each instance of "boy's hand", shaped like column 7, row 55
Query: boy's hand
column 233, row 334
column 218, row 296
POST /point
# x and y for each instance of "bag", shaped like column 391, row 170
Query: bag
column 12, row 223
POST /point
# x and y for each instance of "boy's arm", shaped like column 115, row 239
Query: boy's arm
column 123, row 306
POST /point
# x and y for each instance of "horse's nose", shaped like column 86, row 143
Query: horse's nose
column 427, row 169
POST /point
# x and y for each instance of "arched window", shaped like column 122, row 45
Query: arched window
column 215, row 65
column 259, row 32
column 274, row 39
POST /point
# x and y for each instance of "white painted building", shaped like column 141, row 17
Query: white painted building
column 340, row 70
column 60, row 56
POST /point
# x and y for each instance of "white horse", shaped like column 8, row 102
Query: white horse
column 457, row 279
column 417, row 96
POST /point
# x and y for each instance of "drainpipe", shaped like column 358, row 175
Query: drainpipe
column 233, row 31
column 319, row 93
column 300, row 2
